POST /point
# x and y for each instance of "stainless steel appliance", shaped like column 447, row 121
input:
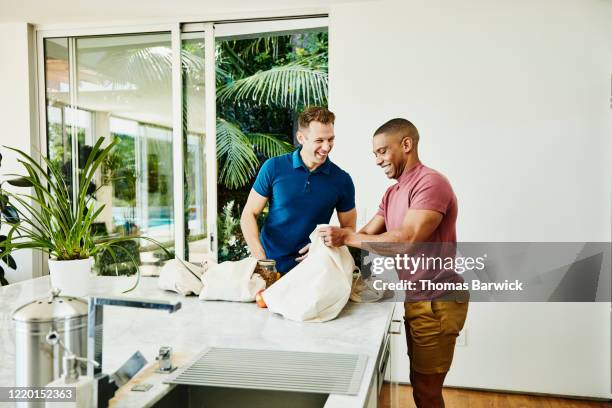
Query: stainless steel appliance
column 38, row 362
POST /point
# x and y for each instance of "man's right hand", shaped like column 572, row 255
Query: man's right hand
column 303, row 252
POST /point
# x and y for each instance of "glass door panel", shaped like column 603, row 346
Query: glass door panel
column 194, row 147
column 57, row 81
column 125, row 88
column 264, row 80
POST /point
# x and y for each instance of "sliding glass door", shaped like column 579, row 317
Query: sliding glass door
column 168, row 96
column 117, row 87
column 126, row 82
column 267, row 73
column 122, row 87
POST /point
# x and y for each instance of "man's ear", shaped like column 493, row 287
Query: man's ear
column 407, row 144
column 299, row 135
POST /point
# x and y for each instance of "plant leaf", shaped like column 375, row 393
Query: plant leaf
column 299, row 83
column 269, row 145
column 10, row 261
column 3, row 281
column 234, row 151
column 20, row 182
column 10, row 214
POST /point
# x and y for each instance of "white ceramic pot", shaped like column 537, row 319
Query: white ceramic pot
column 71, row 277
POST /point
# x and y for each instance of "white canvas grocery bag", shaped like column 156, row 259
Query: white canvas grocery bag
column 181, row 277
column 233, row 281
column 317, row 289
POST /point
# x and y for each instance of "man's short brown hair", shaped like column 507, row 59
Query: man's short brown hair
column 399, row 127
column 316, row 114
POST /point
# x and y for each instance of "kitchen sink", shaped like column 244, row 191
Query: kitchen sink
column 192, row 396
column 229, row 377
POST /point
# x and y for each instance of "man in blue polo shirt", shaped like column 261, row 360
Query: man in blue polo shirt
column 303, row 189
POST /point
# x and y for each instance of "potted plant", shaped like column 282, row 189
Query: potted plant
column 52, row 222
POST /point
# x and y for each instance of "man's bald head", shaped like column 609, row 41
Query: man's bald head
column 400, row 128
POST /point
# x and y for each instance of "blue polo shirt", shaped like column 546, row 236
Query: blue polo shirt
column 299, row 199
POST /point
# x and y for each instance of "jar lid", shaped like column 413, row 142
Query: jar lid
column 51, row 308
column 266, row 262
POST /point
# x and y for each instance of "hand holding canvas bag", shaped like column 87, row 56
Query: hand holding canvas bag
column 317, row 289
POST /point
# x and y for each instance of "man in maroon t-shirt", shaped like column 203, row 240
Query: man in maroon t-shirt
column 420, row 208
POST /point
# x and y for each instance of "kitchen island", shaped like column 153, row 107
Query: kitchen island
column 359, row 329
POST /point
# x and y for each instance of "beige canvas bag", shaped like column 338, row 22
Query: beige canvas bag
column 317, row 289
column 182, row 277
column 233, row 281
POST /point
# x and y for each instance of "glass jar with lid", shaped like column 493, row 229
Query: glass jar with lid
column 266, row 268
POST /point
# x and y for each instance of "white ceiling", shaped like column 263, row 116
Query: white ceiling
column 89, row 11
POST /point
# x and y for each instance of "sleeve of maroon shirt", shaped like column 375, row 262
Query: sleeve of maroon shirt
column 383, row 204
column 433, row 192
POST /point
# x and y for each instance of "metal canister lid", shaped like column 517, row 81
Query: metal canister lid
column 51, row 308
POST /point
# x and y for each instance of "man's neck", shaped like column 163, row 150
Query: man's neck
column 411, row 163
column 310, row 165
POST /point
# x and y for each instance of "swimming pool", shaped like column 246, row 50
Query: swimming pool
column 157, row 216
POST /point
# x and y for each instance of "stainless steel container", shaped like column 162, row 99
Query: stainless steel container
column 36, row 362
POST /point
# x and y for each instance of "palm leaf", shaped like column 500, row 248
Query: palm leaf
column 235, row 154
column 291, row 85
column 264, row 43
column 269, row 145
column 145, row 66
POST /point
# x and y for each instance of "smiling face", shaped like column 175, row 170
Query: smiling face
column 392, row 153
column 317, row 141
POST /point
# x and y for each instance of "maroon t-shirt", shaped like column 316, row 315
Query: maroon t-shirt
column 422, row 188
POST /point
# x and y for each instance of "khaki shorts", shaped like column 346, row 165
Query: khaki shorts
column 431, row 330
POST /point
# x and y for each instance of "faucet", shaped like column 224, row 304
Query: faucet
column 103, row 389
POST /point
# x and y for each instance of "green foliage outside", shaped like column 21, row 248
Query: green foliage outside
column 120, row 171
column 262, row 85
column 230, row 234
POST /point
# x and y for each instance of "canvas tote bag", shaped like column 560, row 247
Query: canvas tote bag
column 233, row 281
column 318, row 288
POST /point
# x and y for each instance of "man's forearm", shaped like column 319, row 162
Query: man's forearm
column 349, row 223
column 358, row 239
column 250, row 230
column 385, row 244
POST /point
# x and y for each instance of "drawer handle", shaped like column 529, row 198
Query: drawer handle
column 399, row 330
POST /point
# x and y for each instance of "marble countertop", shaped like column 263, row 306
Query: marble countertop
column 359, row 329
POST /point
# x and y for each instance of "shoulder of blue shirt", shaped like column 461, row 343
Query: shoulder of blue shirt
column 287, row 158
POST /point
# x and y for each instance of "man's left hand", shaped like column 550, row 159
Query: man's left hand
column 333, row 236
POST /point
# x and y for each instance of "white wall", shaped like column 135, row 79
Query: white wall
column 512, row 100
column 17, row 107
